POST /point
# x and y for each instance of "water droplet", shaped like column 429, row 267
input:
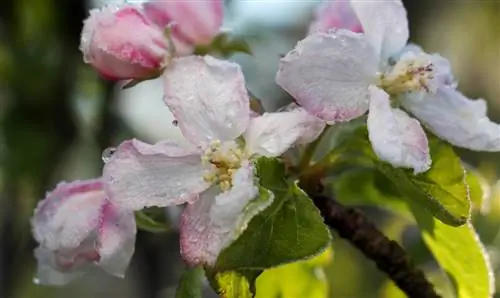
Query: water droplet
column 36, row 280
column 175, row 122
column 107, row 153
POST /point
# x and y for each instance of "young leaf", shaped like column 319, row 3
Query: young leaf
column 442, row 190
column 459, row 252
column 190, row 284
column 369, row 187
column 230, row 284
column 299, row 279
column 289, row 230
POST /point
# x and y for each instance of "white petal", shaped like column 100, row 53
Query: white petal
column 395, row 136
column 313, row 126
column 273, row 133
column 208, row 98
column 214, row 221
column 47, row 274
column 329, row 73
column 116, row 240
column 68, row 214
column 385, row 25
column 140, row 175
column 455, row 118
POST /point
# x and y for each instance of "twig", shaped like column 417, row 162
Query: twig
column 389, row 256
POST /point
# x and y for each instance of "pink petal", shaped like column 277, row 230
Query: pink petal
column 140, row 175
column 197, row 21
column 208, row 98
column 68, row 214
column 214, row 221
column 395, row 136
column 273, row 133
column 70, row 225
column 313, row 126
column 116, row 240
column 455, row 118
column 335, row 14
column 329, row 74
column 109, row 46
column 385, row 25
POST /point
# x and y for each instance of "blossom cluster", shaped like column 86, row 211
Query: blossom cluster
column 355, row 60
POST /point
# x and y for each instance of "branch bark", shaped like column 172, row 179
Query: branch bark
column 389, row 256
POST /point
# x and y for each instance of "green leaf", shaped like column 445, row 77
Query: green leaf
column 476, row 183
column 144, row 222
column 459, row 252
column 299, row 279
column 230, row 284
column 289, row 230
column 236, row 45
column 442, row 190
column 225, row 46
column 440, row 281
column 190, row 284
column 369, row 187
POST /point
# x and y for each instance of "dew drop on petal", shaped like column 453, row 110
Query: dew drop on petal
column 107, row 153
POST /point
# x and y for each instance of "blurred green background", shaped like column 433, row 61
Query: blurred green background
column 57, row 116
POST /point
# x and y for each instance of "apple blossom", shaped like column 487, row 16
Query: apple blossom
column 335, row 14
column 195, row 22
column 121, row 43
column 214, row 174
column 77, row 227
column 339, row 75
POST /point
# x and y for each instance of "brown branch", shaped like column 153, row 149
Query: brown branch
column 389, row 256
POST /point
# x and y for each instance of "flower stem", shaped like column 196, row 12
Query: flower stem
column 389, row 256
column 311, row 149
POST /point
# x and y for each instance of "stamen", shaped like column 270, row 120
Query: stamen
column 222, row 161
column 409, row 75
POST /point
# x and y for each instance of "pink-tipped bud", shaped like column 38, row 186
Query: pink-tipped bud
column 121, row 43
column 76, row 228
column 195, row 22
column 335, row 14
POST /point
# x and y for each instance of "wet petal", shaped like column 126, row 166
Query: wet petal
column 197, row 21
column 47, row 274
column 68, row 214
column 116, row 240
column 329, row 74
column 273, row 133
column 395, row 136
column 214, row 221
column 140, row 175
column 313, row 126
column 72, row 225
column 385, row 25
column 208, row 98
column 336, row 14
column 108, row 46
column 455, row 118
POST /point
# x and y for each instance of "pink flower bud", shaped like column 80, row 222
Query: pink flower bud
column 336, row 14
column 195, row 22
column 77, row 227
column 121, row 43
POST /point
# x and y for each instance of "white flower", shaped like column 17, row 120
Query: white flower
column 77, row 227
column 215, row 174
column 340, row 75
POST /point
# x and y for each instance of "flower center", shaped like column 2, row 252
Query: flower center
column 221, row 161
column 409, row 75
